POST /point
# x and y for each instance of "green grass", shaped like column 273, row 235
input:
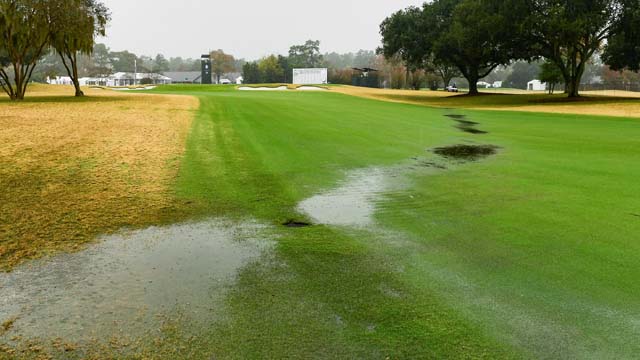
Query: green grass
column 533, row 253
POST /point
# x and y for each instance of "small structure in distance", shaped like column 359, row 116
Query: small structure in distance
column 365, row 77
column 117, row 79
column 310, row 76
column 536, row 85
column 206, row 77
column 184, row 77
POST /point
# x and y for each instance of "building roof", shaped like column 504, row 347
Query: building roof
column 127, row 75
column 184, row 76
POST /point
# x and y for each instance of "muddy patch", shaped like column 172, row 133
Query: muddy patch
column 466, row 152
column 126, row 282
column 466, row 125
column 296, row 224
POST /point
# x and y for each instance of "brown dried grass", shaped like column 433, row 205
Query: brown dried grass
column 71, row 169
column 604, row 103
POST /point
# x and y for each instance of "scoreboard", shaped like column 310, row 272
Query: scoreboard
column 314, row 76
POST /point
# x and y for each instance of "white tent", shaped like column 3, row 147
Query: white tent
column 536, row 85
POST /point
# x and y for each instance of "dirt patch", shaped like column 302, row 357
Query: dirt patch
column 466, row 152
column 296, row 224
column 466, row 125
column 471, row 130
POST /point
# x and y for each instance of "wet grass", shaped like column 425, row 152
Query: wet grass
column 544, row 219
column 531, row 253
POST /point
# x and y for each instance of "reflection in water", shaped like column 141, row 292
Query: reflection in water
column 353, row 203
column 122, row 283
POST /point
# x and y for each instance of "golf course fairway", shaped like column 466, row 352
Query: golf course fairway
column 384, row 247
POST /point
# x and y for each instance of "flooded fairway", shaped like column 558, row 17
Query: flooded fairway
column 353, row 203
column 123, row 285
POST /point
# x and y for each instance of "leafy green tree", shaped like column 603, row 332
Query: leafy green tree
column 160, row 64
column 122, row 61
column 270, row 70
column 623, row 46
column 251, row 73
column 101, row 65
column 221, row 63
column 474, row 36
column 75, row 24
column 569, row 33
column 306, row 56
column 24, row 36
column 550, row 74
column 286, row 69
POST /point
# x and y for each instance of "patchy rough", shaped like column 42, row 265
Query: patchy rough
column 74, row 168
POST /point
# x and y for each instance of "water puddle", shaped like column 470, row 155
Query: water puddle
column 127, row 280
column 353, row 203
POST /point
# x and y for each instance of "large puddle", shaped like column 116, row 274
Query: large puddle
column 127, row 281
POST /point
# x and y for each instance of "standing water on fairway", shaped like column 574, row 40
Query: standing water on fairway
column 127, row 281
column 353, row 203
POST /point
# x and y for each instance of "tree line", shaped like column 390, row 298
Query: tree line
column 30, row 28
column 474, row 37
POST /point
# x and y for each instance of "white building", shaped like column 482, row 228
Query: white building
column 126, row 79
column 497, row 84
column 536, row 85
column 59, row 80
column 310, row 76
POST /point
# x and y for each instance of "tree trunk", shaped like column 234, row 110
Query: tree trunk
column 473, row 88
column 573, row 87
column 473, row 83
column 446, row 79
column 74, row 78
column 19, row 81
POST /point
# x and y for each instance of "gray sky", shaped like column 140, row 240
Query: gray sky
column 245, row 28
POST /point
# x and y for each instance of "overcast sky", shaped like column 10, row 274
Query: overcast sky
column 245, row 28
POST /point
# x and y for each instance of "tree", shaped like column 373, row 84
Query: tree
column 270, row 70
column 521, row 73
column 404, row 37
column 474, row 36
column 623, row 45
column 446, row 72
column 24, row 36
column 101, row 65
column 74, row 27
column 123, row 61
column 283, row 61
column 251, row 73
column 221, row 63
column 160, row 64
column 569, row 33
column 306, row 56
column 550, row 74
